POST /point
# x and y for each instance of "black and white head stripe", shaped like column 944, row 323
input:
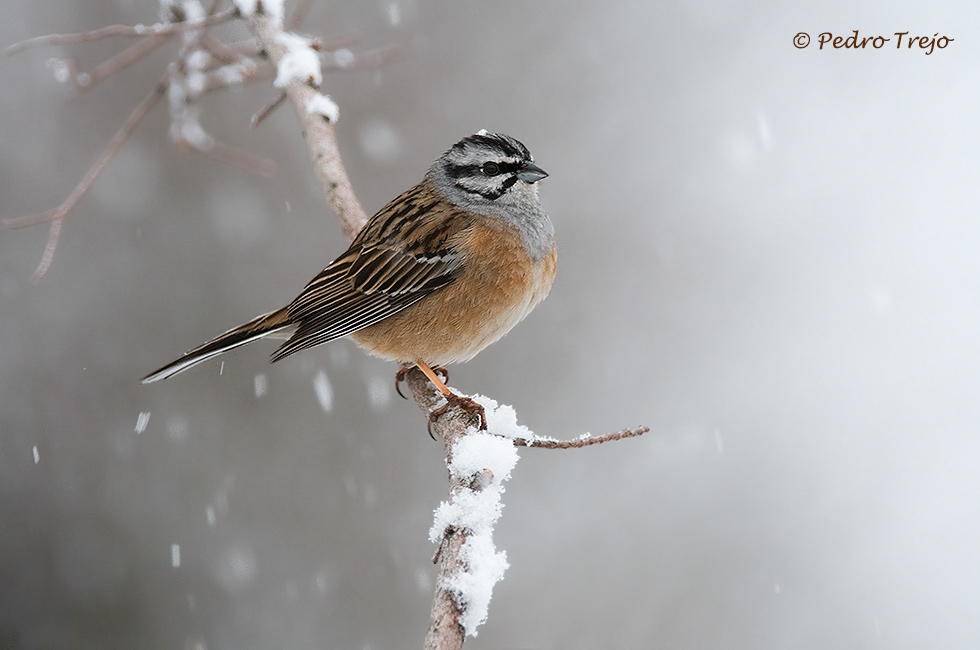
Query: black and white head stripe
column 505, row 144
column 486, row 164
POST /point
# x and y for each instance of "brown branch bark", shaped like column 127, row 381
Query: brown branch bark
column 445, row 631
column 320, row 137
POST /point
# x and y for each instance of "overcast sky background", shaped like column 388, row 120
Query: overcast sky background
column 767, row 254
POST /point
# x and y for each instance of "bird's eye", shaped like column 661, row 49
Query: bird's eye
column 491, row 168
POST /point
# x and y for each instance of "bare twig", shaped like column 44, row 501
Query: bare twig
column 265, row 112
column 158, row 29
column 58, row 214
column 54, row 234
column 100, row 163
column 118, row 62
column 545, row 443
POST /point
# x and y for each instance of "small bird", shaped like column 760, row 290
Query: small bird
column 437, row 275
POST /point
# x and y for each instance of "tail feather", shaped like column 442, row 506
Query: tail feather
column 259, row 327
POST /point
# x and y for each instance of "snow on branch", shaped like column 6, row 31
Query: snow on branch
column 479, row 463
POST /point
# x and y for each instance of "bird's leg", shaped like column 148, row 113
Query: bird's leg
column 452, row 399
column 402, row 374
column 434, row 377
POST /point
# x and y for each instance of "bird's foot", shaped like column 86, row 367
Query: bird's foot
column 399, row 378
column 467, row 404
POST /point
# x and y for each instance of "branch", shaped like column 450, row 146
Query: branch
column 157, row 29
column 469, row 563
column 57, row 215
column 445, row 631
column 320, row 138
column 86, row 80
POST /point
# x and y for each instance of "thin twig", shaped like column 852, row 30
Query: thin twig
column 100, row 163
column 54, row 234
column 118, row 62
column 157, row 29
column 58, row 214
column 544, row 443
column 265, row 112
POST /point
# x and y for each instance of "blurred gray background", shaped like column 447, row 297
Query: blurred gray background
column 768, row 255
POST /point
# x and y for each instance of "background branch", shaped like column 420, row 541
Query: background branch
column 204, row 64
column 122, row 30
column 57, row 215
column 117, row 63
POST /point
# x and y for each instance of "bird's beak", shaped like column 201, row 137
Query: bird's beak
column 531, row 173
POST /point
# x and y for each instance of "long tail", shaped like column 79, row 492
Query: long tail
column 264, row 325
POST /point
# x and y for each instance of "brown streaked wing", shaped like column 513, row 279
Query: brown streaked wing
column 390, row 266
column 355, row 313
column 378, row 276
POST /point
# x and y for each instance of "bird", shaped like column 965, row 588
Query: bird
column 438, row 274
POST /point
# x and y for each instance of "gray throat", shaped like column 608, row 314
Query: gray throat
column 519, row 208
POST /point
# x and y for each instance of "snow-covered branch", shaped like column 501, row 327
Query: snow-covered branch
column 479, row 462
